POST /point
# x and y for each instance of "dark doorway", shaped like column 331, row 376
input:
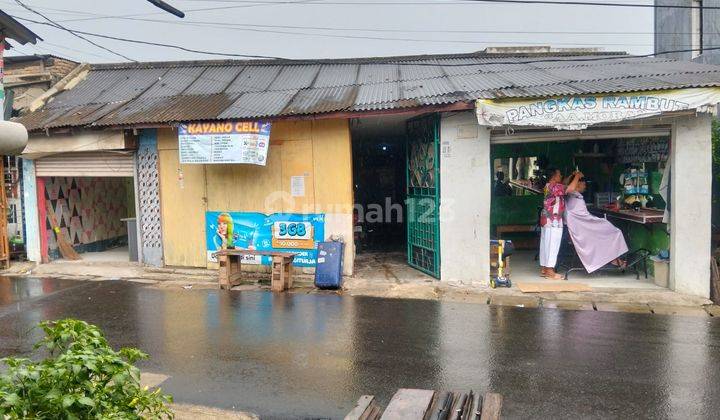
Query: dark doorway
column 379, row 178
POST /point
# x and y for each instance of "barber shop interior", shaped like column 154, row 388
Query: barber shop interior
column 623, row 181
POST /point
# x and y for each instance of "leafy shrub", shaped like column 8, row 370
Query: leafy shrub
column 81, row 378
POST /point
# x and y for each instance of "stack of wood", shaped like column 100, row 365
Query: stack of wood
column 422, row 404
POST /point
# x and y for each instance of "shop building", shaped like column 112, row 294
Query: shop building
column 395, row 155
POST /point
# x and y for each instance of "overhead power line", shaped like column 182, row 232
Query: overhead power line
column 57, row 25
column 254, row 4
column 392, row 30
column 256, row 28
column 574, row 59
column 550, row 2
column 156, row 44
column 279, row 29
column 251, row 3
column 139, row 18
column 595, row 3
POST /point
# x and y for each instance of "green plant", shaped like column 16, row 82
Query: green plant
column 82, row 377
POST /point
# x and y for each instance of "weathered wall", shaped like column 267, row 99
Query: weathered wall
column 182, row 205
column 464, row 199
column 691, row 191
column 318, row 150
column 711, row 33
column 29, row 79
column 673, row 28
column 40, row 145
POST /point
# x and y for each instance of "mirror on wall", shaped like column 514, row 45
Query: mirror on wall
column 516, row 176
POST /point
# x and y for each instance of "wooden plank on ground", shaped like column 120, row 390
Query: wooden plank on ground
column 363, row 406
column 440, row 406
column 491, row 406
column 372, row 414
column 408, row 404
column 558, row 286
column 474, row 411
column 458, row 405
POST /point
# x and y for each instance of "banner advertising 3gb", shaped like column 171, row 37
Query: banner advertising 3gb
column 288, row 232
column 579, row 112
column 224, row 142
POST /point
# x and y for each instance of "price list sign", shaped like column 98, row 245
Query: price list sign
column 224, row 142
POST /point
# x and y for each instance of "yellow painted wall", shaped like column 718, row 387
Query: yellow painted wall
column 318, row 150
column 182, row 206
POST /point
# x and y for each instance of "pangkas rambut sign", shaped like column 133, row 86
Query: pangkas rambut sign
column 579, row 112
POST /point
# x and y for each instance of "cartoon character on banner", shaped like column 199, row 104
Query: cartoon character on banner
column 230, row 235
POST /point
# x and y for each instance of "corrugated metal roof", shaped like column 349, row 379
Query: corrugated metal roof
column 157, row 93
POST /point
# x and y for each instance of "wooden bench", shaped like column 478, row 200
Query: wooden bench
column 231, row 264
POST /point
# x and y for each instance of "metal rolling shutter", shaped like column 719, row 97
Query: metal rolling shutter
column 100, row 164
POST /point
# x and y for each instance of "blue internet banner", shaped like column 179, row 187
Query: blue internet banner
column 287, row 232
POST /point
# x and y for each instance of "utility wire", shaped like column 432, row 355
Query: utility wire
column 64, row 47
column 548, row 2
column 57, row 25
column 390, row 30
column 398, row 62
column 155, row 44
column 325, row 35
column 544, row 2
column 254, row 4
column 409, row 3
column 354, row 29
column 594, row 3
column 259, row 28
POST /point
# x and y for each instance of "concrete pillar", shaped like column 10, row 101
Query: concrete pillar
column 691, row 196
column 30, row 210
column 465, row 185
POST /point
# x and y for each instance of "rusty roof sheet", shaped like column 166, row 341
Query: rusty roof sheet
column 127, row 94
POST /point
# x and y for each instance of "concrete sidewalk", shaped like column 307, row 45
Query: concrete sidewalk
column 389, row 278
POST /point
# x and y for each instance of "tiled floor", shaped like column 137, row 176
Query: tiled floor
column 524, row 268
column 111, row 255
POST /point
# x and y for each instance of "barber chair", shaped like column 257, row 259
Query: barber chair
column 569, row 261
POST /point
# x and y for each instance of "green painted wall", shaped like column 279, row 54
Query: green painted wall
column 515, row 210
column 524, row 209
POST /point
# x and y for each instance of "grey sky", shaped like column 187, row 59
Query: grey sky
column 291, row 30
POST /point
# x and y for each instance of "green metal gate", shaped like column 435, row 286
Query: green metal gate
column 423, row 194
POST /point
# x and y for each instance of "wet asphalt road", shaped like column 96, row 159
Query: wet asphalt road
column 297, row 355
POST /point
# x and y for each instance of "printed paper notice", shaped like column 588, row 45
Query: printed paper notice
column 297, row 186
column 224, row 142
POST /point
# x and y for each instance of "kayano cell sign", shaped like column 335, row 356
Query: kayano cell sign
column 224, row 142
